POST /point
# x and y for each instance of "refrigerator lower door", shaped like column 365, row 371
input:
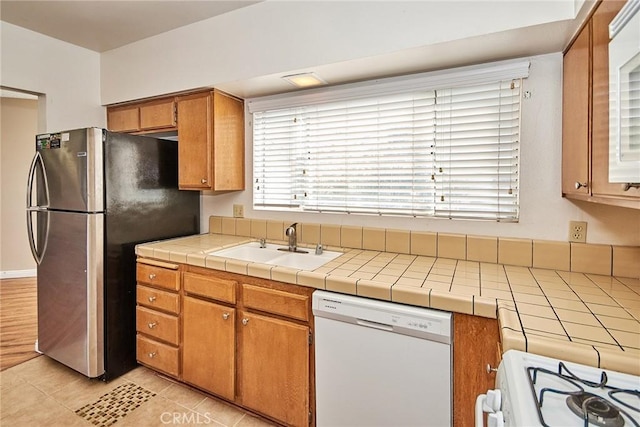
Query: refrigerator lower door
column 70, row 289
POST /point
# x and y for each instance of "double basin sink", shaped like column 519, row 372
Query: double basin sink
column 277, row 255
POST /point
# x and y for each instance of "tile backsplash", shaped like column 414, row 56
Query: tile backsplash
column 621, row 261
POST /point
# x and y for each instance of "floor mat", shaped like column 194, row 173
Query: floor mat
column 110, row 407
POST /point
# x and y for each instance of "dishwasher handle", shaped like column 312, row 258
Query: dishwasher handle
column 374, row 325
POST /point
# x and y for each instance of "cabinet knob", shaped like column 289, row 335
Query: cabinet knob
column 152, row 355
column 152, row 325
column 203, row 181
column 225, row 316
column 152, row 276
column 490, row 369
column 152, row 298
column 245, row 321
column 579, row 185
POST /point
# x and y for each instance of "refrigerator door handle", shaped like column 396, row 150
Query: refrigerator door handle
column 37, row 159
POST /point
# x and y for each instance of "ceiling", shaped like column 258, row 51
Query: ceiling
column 106, row 25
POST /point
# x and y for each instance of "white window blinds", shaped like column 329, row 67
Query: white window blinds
column 446, row 152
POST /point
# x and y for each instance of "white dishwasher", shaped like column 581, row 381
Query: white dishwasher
column 380, row 363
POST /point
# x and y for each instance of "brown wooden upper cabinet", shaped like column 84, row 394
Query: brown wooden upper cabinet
column 143, row 117
column 210, row 142
column 585, row 115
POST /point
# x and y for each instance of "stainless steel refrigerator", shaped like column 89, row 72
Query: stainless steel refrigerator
column 92, row 195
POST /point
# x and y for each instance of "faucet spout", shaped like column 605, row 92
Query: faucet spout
column 290, row 232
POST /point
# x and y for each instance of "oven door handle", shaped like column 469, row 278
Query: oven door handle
column 491, row 403
column 480, row 400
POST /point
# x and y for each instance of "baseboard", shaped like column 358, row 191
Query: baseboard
column 16, row 274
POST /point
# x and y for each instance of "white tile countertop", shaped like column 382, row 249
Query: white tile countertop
column 584, row 318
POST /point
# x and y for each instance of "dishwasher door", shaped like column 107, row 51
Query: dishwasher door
column 380, row 363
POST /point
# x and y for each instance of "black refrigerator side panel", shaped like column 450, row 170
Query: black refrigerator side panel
column 143, row 204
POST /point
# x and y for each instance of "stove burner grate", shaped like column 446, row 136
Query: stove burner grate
column 584, row 401
column 636, row 393
column 595, row 409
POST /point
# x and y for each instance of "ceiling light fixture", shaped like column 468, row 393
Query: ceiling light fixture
column 304, row 80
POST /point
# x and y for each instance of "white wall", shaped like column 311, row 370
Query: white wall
column 68, row 76
column 544, row 213
column 280, row 36
column 18, row 125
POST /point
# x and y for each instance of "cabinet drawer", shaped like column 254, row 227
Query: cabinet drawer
column 158, row 276
column 159, row 356
column 156, row 324
column 276, row 302
column 210, row 287
column 157, row 299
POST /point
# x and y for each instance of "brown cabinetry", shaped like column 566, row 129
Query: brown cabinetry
column 208, row 348
column 244, row 339
column 211, row 136
column 157, row 316
column 143, row 117
column 273, row 367
column 585, row 115
column 476, row 340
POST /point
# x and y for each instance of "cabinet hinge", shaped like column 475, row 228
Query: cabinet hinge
column 310, row 417
column 175, row 113
column 310, row 338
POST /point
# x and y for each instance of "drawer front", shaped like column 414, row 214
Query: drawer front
column 276, row 302
column 157, row 299
column 158, row 276
column 157, row 355
column 158, row 325
column 210, row 287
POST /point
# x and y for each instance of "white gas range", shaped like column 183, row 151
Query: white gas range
column 533, row 390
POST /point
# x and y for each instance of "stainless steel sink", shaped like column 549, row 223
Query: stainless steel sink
column 276, row 255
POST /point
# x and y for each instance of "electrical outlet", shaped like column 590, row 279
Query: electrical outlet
column 578, row 231
column 238, row 211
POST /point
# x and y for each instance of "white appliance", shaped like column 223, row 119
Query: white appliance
column 624, row 98
column 380, row 363
column 533, row 390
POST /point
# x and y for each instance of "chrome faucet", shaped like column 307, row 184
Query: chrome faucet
column 293, row 238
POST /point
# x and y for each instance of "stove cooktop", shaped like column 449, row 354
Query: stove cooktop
column 541, row 391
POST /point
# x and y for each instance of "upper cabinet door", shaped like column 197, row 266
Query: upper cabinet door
column 123, row 119
column 195, row 150
column 600, row 132
column 159, row 114
column 576, row 92
column 211, row 142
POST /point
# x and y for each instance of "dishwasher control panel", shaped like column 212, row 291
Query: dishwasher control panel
column 398, row 318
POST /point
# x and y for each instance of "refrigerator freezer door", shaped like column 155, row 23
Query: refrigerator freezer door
column 70, row 285
column 73, row 164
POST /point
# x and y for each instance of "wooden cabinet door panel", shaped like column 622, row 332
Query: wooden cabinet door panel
column 273, row 368
column 605, row 13
column 475, row 339
column 576, row 115
column 228, row 143
column 195, row 141
column 124, row 119
column 208, row 348
column 157, row 115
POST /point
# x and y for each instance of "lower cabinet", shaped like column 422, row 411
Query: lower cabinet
column 243, row 339
column 475, row 345
column 208, row 346
column 273, row 367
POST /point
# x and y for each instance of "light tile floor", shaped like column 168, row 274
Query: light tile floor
column 43, row 392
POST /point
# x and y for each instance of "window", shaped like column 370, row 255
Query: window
column 441, row 144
